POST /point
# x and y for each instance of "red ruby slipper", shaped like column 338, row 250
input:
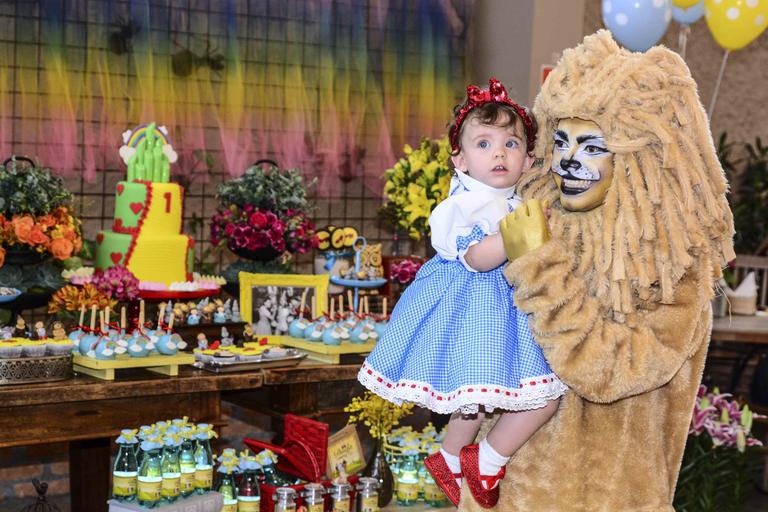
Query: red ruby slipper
column 443, row 476
column 484, row 488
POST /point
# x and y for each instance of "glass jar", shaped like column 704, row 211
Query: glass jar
column 285, row 499
column 124, row 473
column 187, row 465
column 340, row 500
column 313, row 495
column 203, row 466
column 171, row 488
column 433, row 495
column 150, row 478
column 367, row 495
column 408, row 481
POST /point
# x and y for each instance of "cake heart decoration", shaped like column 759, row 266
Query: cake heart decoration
column 99, row 238
column 117, row 225
column 136, row 207
column 120, row 188
column 116, row 257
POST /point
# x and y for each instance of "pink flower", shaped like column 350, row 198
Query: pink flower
column 258, row 220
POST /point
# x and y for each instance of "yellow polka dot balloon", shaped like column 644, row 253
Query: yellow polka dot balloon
column 736, row 23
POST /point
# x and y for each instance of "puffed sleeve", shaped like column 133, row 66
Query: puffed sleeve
column 462, row 220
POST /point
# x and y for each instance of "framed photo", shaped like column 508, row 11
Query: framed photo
column 272, row 301
column 345, row 451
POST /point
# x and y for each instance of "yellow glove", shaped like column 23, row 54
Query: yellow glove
column 524, row 230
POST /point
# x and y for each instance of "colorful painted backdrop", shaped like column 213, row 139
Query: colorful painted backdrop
column 335, row 87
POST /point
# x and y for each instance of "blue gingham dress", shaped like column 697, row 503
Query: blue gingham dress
column 456, row 341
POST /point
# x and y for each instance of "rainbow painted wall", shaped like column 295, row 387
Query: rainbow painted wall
column 335, row 87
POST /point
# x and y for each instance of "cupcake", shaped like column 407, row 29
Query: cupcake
column 10, row 349
column 33, row 348
column 223, row 356
column 58, row 347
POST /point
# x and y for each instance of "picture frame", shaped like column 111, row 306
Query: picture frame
column 344, row 449
column 271, row 301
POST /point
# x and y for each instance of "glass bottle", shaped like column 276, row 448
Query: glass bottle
column 203, row 466
column 226, row 487
column 285, row 499
column 248, row 495
column 125, row 469
column 187, row 466
column 433, row 495
column 313, row 497
column 340, row 500
column 171, row 488
column 267, row 460
column 408, row 480
column 421, row 472
column 367, row 495
column 150, row 478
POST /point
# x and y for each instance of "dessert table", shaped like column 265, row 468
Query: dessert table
column 88, row 413
column 745, row 334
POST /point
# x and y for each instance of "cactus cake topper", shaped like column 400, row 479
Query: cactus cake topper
column 148, row 153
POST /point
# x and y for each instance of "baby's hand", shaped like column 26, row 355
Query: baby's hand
column 525, row 229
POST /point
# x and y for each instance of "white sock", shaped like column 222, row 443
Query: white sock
column 491, row 461
column 453, row 464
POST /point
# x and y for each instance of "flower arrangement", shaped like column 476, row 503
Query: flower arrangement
column 721, row 460
column 117, row 282
column 70, row 298
column 264, row 209
column 376, row 413
column 35, row 212
column 416, row 184
column 405, row 271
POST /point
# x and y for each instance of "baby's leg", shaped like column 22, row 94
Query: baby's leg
column 461, row 431
column 513, row 429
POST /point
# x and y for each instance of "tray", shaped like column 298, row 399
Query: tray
column 319, row 351
column 359, row 283
column 105, row 369
column 23, row 370
column 260, row 364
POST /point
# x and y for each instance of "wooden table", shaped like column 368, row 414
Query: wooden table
column 89, row 413
column 749, row 332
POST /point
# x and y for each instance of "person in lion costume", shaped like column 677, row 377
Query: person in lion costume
column 619, row 296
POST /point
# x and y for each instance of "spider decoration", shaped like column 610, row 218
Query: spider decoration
column 41, row 504
column 185, row 61
column 120, row 39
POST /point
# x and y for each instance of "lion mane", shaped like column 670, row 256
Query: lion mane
column 666, row 208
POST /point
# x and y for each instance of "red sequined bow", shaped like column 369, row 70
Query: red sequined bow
column 496, row 93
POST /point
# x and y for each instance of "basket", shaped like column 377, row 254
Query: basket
column 743, row 305
column 303, row 454
column 24, row 370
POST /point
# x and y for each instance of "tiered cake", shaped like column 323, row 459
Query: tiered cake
column 146, row 234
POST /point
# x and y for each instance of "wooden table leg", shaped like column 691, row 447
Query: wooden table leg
column 89, row 472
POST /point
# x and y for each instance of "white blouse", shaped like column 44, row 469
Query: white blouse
column 471, row 211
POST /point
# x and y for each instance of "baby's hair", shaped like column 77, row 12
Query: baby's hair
column 495, row 114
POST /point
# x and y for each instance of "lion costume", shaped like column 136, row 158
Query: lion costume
column 619, row 298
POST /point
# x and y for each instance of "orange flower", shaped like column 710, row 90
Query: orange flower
column 2, row 256
column 22, row 227
column 61, row 248
column 46, row 221
column 37, row 237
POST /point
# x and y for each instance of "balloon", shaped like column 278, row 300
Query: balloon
column 690, row 15
column 637, row 24
column 736, row 23
column 684, row 4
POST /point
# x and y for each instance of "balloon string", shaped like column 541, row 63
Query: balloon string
column 682, row 39
column 717, row 84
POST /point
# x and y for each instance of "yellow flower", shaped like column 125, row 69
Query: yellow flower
column 378, row 414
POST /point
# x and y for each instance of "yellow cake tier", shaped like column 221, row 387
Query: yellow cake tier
column 161, row 258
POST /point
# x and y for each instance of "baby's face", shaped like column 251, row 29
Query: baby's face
column 492, row 154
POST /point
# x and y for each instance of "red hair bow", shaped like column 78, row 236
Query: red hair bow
column 496, row 93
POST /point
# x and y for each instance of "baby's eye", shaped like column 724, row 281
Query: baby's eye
column 559, row 144
column 483, row 144
column 512, row 143
column 592, row 150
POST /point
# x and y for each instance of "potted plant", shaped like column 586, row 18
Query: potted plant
column 415, row 185
column 262, row 215
column 722, row 459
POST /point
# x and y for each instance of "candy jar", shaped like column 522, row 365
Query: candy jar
column 285, row 499
column 313, row 497
column 339, row 498
column 367, row 495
